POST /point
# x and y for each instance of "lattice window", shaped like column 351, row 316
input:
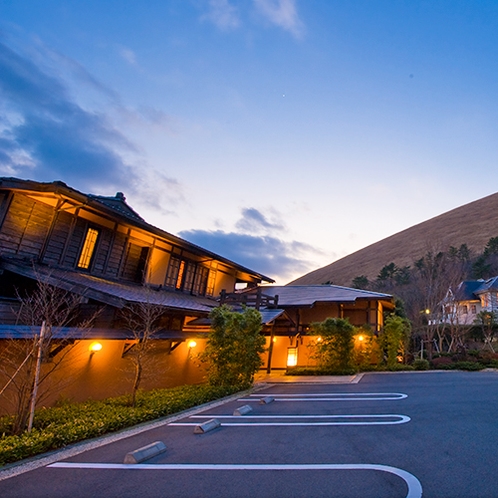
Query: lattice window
column 88, row 248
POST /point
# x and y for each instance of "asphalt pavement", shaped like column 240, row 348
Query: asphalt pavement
column 409, row 434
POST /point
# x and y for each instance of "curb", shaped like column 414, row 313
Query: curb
column 44, row 459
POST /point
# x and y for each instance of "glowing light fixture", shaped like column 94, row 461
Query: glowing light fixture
column 95, row 346
column 318, row 339
column 274, row 339
column 360, row 338
column 291, row 357
column 191, row 344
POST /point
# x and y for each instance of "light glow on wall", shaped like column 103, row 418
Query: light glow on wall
column 291, row 357
column 95, row 346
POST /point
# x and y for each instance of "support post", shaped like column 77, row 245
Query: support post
column 270, row 350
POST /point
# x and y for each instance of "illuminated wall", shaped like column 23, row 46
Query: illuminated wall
column 84, row 375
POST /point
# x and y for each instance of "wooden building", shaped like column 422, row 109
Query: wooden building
column 288, row 312
column 100, row 249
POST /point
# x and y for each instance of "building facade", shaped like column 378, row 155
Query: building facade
column 99, row 249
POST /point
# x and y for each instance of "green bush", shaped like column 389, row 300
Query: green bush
column 72, row 422
column 234, row 347
column 470, row 366
column 335, row 351
column 421, row 364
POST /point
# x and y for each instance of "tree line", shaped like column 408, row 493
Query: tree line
column 421, row 288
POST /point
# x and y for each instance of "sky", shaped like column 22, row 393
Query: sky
column 281, row 134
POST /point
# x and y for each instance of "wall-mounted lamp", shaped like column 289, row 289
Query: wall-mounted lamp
column 191, row 344
column 95, row 347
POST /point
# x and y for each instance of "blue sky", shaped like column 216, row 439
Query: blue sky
column 283, row 134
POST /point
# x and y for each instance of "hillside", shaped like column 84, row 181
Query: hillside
column 472, row 224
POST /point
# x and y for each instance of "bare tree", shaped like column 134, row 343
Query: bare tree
column 487, row 323
column 29, row 363
column 424, row 297
column 144, row 321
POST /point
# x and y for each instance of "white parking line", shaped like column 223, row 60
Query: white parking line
column 402, row 420
column 398, row 395
column 414, row 486
column 330, row 397
column 238, row 417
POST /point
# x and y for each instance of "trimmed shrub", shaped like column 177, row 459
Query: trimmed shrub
column 234, row 347
column 421, row 364
column 335, row 351
column 59, row 426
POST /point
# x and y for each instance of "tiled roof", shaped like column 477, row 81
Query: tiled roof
column 28, row 332
column 114, row 293
column 118, row 204
column 489, row 285
column 308, row 295
column 466, row 291
column 267, row 316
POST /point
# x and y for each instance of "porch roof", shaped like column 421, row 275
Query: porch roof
column 77, row 333
column 309, row 295
column 116, row 294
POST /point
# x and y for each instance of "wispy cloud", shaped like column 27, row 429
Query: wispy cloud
column 282, row 13
column 46, row 135
column 128, row 55
column 223, row 14
column 254, row 221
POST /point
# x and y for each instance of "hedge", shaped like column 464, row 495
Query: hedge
column 59, row 426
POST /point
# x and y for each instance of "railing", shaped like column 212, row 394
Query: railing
column 250, row 299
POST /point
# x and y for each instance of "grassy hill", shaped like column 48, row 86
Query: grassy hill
column 472, row 224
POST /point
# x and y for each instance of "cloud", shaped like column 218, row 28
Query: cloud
column 271, row 256
column 128, row 55
column 60, row 137
column 46, row 135
column 256, row 246
column 282, row 13
column 222, row 14
column 254, row 221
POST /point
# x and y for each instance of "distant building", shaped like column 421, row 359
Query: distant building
column 289, row 311
column 462, row 305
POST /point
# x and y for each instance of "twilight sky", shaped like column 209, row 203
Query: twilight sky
column 282, row 134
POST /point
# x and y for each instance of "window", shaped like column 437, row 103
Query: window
column 473, row 309
column 173, row 270
column 187, row 276
column 211, row 282
column 464, row 309
column 200, row 281
column 179, row 277
column 88, row 248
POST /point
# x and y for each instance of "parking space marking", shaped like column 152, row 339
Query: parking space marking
column 239, row 417
column 330, row 397
column 403, row 419
column 413, row 484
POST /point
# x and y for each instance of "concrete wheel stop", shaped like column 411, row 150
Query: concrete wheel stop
column 146, row 452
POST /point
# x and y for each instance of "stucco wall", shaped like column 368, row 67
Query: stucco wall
column 82, row 375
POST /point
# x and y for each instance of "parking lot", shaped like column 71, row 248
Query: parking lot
column 390, row 435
